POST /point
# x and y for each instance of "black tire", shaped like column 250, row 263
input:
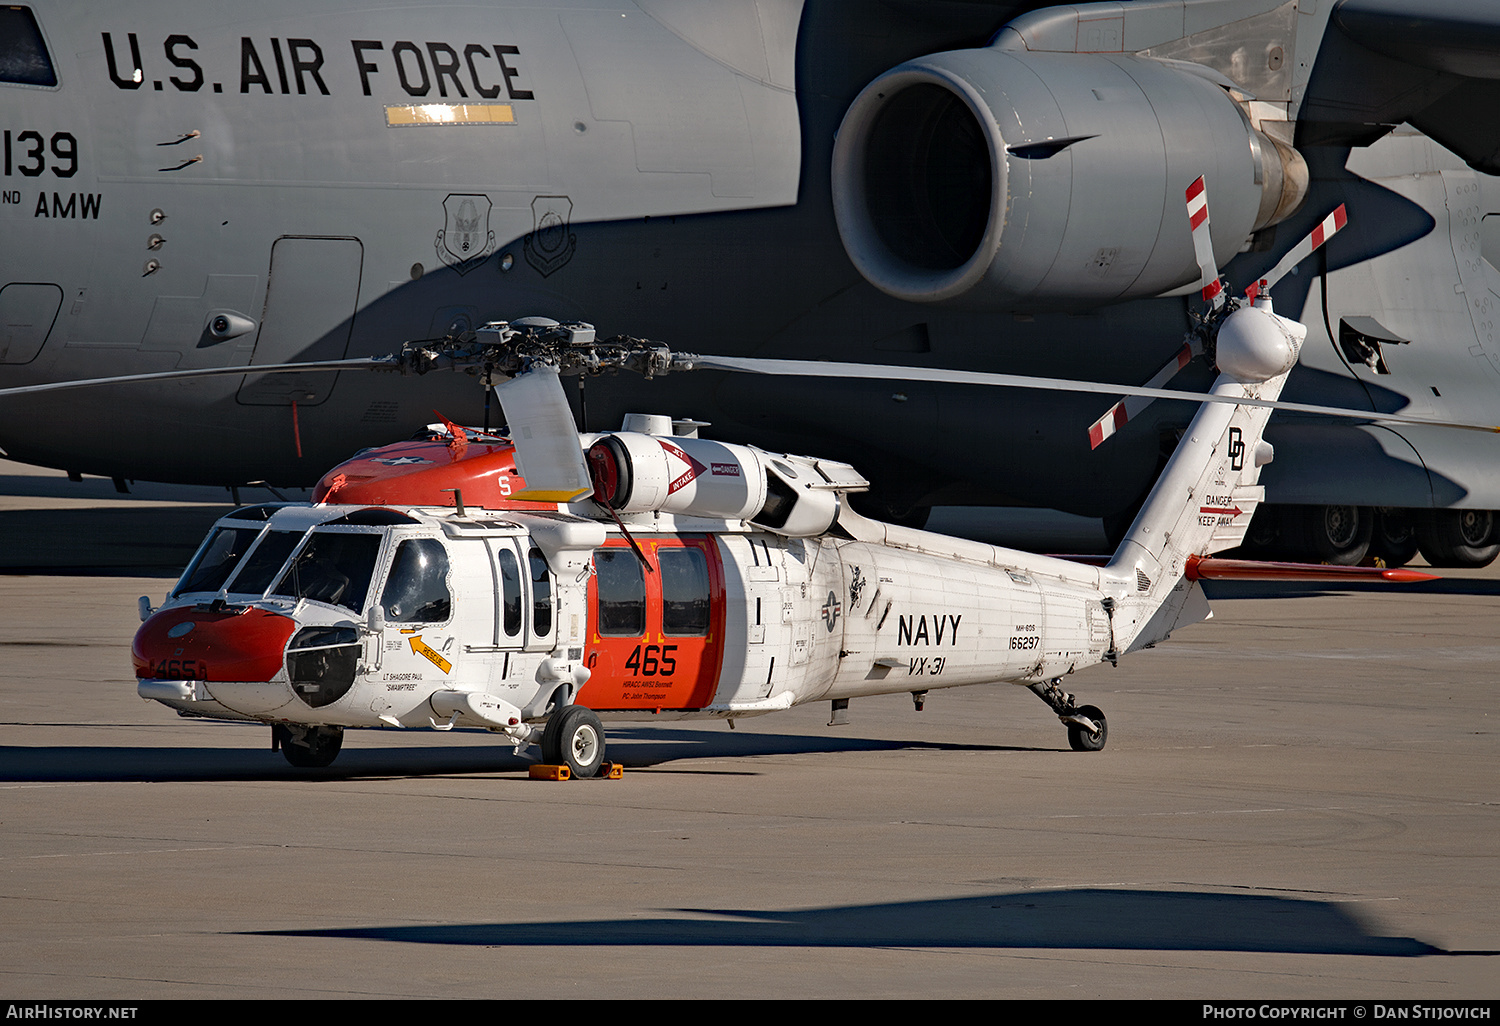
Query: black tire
column 1264, row 534
column 1339, row 535
column 574, row 738
column 1394, row 540
column 317, row 749
column 1458, row 537
column 1081, row 740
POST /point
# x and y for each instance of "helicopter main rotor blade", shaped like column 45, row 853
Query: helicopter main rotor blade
column 880, row 372
column 541, row 426
column 360, row 363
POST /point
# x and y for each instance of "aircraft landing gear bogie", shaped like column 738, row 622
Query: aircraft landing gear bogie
column 308, row 747
column 1087, row 728
column 574, row 737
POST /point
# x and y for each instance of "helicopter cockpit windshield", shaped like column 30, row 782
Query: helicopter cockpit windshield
column 217, row 559
column 334, row 567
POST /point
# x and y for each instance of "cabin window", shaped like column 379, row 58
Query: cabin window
column 417, row 589
column 23, row 54
column 684, row 591
column 265, row 560
column 622, row 593
column 217, row 559
column 541, row 595
column 333, row 567
column 510, row 593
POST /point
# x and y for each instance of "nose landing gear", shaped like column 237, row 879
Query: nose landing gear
column 307, row 747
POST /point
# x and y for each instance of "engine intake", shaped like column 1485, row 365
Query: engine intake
column 788, row 495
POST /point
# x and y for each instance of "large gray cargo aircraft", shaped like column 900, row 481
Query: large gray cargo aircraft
column 970, row 185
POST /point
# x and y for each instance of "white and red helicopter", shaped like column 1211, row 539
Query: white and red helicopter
column 542, row 585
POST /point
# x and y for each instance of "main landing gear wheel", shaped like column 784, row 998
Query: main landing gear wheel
column 311, row 748
column 1080, row 738
column 1089, row 737
column 1395, row 537
column 1458, row 537
column 574, row 738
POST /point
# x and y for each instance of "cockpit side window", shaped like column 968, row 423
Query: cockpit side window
column 417, row 589
column 217, row 559
column 23, row 54
column 333, row 567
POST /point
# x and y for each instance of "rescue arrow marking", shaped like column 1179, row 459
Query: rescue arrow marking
column 422, row 649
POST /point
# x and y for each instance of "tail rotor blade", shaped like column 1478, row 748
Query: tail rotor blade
column 1325, row 230
column 541, row 425
column 1120, row 413
column 1203, row 244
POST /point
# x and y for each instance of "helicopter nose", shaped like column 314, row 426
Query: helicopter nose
column 191, row 643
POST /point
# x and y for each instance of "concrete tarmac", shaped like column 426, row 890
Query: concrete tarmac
column 1298, row 800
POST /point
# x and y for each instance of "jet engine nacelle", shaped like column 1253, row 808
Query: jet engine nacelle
column 789, row 495
column 1006, row 179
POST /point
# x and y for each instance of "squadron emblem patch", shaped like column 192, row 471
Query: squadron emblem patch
column 466, row 238
column 550, row 244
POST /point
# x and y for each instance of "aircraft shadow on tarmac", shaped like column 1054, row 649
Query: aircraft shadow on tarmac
column 1221, row 590
column 636, row 749
column 1087, row 918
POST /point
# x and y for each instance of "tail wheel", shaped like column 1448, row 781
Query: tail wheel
column 1080, row 738
column 1458, row 537
column 574, row 738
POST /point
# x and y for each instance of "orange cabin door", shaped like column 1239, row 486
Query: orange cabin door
column 655, row 639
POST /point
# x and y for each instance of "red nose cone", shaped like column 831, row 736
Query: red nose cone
column 189, row 644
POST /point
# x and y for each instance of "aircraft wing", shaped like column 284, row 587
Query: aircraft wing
column 1432, row 63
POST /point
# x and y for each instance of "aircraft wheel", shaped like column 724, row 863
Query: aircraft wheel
column 1458, row 537
column 315, row 749
column 1081, row 740
column 1336, row 534
column 574, row 737
column 1395, row 537
column 1263, row 534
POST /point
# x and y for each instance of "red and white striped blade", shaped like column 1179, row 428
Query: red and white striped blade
column 1212, row 288
column 1329, row 227
column 1117, row 415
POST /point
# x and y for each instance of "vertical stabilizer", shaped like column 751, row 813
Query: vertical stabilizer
column 1206, row 495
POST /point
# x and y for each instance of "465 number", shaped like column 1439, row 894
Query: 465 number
column 653, row 660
